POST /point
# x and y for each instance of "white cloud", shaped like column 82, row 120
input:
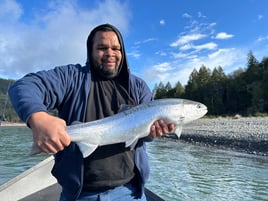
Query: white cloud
column 162, row 22
column 11, row 9
column 223, row 35
column 145, row 41
column 158, row 72
column 161, row 53
column 187, row 38
column 208, row 46
column 200, row 15
column 186, row 47
column 262, row 38
column 55, row 37
column 179, row 55
column 228, row 58
column 197, row 46
column 186, row 15
column 163, row 67
column 134, row 54
column 182, row 66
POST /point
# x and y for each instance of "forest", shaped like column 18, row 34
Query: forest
column 244, row 91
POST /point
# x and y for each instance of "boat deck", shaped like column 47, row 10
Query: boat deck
column 52, row 193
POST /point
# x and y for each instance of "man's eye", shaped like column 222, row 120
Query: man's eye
column 102, row 48
column 113, row 49
column 117, row 49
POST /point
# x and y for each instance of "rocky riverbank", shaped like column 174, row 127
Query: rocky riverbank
column 7, row 123
column 249, row 134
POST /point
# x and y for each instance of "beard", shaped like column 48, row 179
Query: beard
column 106, row 72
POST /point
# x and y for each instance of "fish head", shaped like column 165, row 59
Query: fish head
column 181, row 111
column 193, row 110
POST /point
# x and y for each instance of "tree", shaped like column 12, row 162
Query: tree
column 179, row 90
column 192, row 85
column 237, row 95
column 254, row 69
column 168, row 87
column 264, row 83
column 254, row 77
column 216, row 91
column 203, row 77
column 160, row 91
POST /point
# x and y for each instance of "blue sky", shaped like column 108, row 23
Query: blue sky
column 165, row 40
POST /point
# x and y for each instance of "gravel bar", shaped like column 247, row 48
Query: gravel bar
column 247, row 134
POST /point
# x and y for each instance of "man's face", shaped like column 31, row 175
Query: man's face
column 106, row 53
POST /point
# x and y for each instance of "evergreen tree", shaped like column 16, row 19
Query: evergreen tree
column 216, row 91
column 169, row 91
column 160, row 91
column 253, row 77
column 168, row 87
column 179, row 90
column 192, row 85
column 264, row 84
column 253, row 70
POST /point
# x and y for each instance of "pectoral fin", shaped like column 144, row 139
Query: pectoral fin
column 86, row 148
column 34, row 150
column 178, row 131
column 132, row 143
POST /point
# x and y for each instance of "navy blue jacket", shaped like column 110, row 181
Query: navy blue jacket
column 66, row 88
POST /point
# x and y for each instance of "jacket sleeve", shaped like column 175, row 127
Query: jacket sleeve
column 39, row 91
column 140, row 90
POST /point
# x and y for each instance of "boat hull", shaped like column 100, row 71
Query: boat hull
column 37, row 183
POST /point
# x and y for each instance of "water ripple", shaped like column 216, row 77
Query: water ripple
column 187, row 172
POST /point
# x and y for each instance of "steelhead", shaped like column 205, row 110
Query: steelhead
column 130, row 125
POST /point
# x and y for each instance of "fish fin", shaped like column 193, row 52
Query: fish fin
column 132, row 143
column 86, row 148
column 124, row 107
column 76, row 122
column 34, row 150
column 178, row 131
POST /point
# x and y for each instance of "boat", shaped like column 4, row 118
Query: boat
column 37, row 183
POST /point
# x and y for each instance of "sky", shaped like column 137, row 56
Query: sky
column 164, row 39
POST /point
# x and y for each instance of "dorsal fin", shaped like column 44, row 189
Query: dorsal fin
column 124, row 107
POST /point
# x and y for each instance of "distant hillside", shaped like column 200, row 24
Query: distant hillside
column 4, row 83
column 6, row 110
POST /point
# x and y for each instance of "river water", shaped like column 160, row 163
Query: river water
column 179, row 171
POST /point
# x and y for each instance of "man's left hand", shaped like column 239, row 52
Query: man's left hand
column 160, row 127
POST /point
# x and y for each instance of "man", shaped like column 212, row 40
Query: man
column 87, row 93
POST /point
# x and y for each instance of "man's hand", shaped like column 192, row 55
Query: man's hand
column 49, row 133
column 160, row 127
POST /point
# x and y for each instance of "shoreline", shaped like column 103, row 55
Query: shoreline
column 7, row 123
column 246, row 134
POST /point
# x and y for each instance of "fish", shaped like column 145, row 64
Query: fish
column 132, row 124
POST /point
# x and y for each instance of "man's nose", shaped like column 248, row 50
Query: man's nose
column 109, row 51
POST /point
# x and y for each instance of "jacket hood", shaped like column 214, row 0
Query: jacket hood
column 123, row 71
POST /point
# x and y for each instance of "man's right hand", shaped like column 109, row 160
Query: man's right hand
column 49, row 133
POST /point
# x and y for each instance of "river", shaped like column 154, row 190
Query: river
column 179, row 171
